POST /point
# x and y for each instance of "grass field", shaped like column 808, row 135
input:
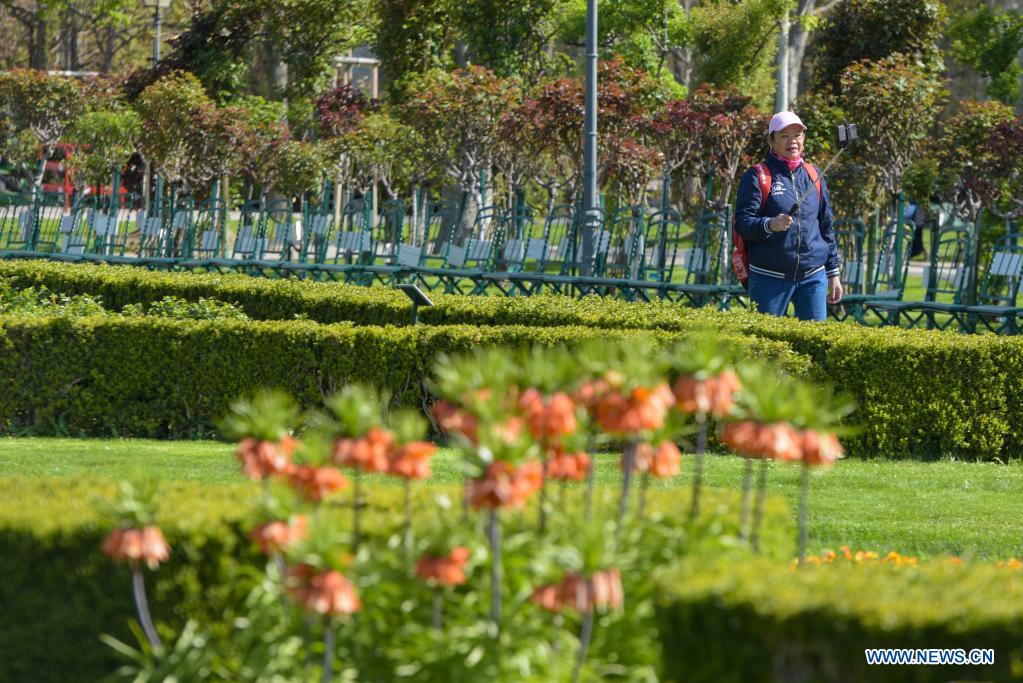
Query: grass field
column 925, row 509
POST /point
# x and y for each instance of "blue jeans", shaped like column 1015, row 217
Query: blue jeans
column 773, row 294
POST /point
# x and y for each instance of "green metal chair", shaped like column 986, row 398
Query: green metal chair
column 888, row 279
column 996, row 309
column 946, row 278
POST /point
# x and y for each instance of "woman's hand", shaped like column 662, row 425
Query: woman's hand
column 834, row 289
column 780, row 223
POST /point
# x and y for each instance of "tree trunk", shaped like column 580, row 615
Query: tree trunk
column 38, row 59
column 109, row 48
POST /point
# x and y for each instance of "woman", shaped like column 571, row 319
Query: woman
column 793, row 256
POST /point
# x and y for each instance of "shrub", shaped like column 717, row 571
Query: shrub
column 177, row 308
column 58, row 587
column 920, row 394
column 761, row 620
column 170, row 379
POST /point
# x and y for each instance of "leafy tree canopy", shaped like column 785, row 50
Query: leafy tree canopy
column 858, row 30
column 990, row 42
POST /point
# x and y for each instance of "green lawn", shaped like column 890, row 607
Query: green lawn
column 926, row 509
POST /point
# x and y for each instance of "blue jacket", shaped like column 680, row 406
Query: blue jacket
column 808, row 245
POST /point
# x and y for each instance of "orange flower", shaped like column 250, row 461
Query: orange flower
column 412, row 461
column 275, row 535
column 262, row 459
column 551, row 418
column 547, row 597
column 663, row 462
column 446, row 570
column 714, row 396
column 568, row 466
column 505, row 485
column 820, row 448
column 778, row 440
column 589, row 393
column 643, row 409
column 327, row 592
column 371, row 453
column 316, row 483
column 147, row 545
column 455, row 421
column 603, row 589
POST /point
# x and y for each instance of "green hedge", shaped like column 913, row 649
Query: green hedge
column 172, row 379
column 60, row 593
column 920, row 394
column 760, row 620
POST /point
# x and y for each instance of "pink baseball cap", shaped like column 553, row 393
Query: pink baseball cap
column 783, row 119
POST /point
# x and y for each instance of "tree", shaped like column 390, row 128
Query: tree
column 895, row 104
column 41, row 109
column 297, row 168
column 263, row 143
column 676, row 130
column 296, row 39
column 510, row 37
column 168, row 111
column 643, row 33
column 735, row 44
column 102, row 142
column 339, row 110
column 990, row 42
column 970, row 180
column 731, row 136
column 873, row 30
column 556, row 112
column 412, row 37
column 215, row 138
column 631, row 168
column 1003, row 178
column 458, row 115
column 383, row 150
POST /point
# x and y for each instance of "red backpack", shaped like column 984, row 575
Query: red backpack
column 740, row 257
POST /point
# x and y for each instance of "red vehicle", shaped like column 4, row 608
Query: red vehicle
column 58, row 178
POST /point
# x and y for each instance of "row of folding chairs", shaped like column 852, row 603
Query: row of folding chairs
column 502, row 250
column 509, row 251
column 947, row 280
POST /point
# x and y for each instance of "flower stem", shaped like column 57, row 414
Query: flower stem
column 465, row 498
column 407, row 541
column 747, row 488
column 588, row 496
column 623, row 504
column 758, row 514
column 356, row 503
column 804, row 511
column 543, row 490
column 437, row 605
column 138, row 585
column 644, row 484
column 494, row 536
column 328, row 652
column 701, row 447
column 584, row 645
column 557, row 623
column 562, row 485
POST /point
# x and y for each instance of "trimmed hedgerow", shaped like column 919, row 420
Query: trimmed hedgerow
column 58, row 587
column 920, row 394
column 162, row 378
column 765, row 621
